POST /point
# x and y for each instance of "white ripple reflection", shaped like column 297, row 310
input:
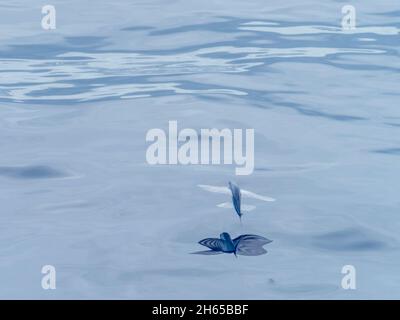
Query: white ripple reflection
column 302, row 30
column 78, row 76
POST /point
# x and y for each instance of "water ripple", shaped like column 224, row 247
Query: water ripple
column 88, row 76
column 31, row 172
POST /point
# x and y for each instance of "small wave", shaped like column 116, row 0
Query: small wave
column 83, row 77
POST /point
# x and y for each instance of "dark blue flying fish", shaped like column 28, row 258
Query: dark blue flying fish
column 246, row 245
column 236, row 194
column 236, row 198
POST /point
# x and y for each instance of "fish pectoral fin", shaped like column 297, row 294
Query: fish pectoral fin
column 215, row 189
column 212, row 243
column 249, row 194
column 244, row 207
column 226, row 205
column 247, row 207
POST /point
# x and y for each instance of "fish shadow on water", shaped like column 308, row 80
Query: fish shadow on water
column 31, row 172
column 350, row 239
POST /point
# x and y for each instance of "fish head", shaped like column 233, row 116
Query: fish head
column 225, row 236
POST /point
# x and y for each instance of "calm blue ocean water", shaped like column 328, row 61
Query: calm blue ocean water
column 76, row 191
